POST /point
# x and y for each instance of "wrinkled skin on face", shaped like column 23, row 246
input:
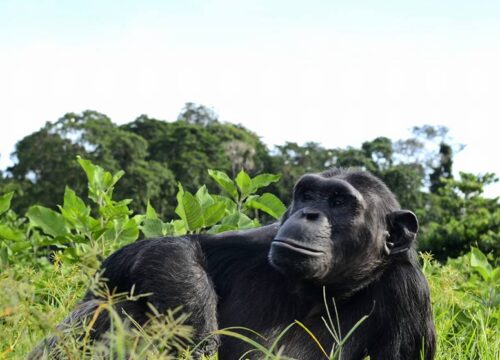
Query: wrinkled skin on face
column 337, row 230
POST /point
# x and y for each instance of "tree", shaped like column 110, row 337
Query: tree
column 406, row 181
column 241, row 156
column 46, row 161
column 459, row 216
column 157, row 154
column 195, row 114
column 189, row 148
column 380, row 152
column 444, row 168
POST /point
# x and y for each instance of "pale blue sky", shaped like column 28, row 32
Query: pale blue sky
column 335, row 72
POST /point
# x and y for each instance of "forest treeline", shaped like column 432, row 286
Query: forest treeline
column 156, row 155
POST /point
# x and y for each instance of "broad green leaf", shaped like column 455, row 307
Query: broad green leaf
column 267, row 203
column 495, row 275
column 179, row 210
column 231, row 220
column 225, row 182
column 214, row 213
column 244, row 222
column 121, row 231
column 139, row 218
column 117, row 177
column 192, row 209
column 107, row 179
column 51, row 222
column 5, row 200
column 179, row 227
column 151, row 212
column 263, row 180
column 204, row 198
column 87, row 167
column 113, row 211
column 231, row 206
column 74, row 209
column 244, row 183
column 129, row 232
column 95, row 178
column 216, row 229
column 74, row 203
column 101, row 182
column 156, row 228
column 168, row 229
column 8, row 233
column 20, row 246
column 480, row 263
column 95, row 227
column 152, row 228
column 94, row 174
column 239, row 221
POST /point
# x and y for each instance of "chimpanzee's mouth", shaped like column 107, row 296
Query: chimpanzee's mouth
column 297, row 246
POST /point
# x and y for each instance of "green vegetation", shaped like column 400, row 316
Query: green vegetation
column 466, row 304
column 38, row 293
column 157, row 155
column 49, row 253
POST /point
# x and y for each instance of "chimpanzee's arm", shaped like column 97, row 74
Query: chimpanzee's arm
column 260, row 238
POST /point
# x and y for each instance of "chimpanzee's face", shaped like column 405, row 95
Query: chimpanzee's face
column 335, row 229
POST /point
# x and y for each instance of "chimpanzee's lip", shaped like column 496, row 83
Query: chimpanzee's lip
column 297, row 246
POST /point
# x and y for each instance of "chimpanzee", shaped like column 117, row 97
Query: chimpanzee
column 344, row 237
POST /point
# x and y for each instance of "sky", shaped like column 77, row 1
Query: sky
column 334, row 72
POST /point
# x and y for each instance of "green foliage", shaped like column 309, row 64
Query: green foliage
column 35, row 294
column 443, row 169
column 153, row 226
column 51, row 222
column 5, row 202
column 78, row 232
column 459, row 216
column 77, row 235
column 479, row 262
column 466, row 304
column 156, row 155
column 242, row 197
column 74, row 230
column 225, row 182
column 197, row 115
column 45, row 162
column 33, row 302
column 216, row 213
column 12, row 232
column 195, row 142
column 203, row 211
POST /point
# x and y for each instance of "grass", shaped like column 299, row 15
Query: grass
column 33, row 301
column 467, row 326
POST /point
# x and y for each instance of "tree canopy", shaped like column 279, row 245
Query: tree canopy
column 156, row 155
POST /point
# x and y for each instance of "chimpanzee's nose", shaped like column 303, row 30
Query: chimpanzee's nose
column 310, row 214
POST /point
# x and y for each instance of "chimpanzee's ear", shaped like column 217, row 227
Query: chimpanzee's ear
column 402, row 231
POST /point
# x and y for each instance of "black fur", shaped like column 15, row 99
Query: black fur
column 343, row 234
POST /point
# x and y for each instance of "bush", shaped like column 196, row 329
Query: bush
column 48, row 257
